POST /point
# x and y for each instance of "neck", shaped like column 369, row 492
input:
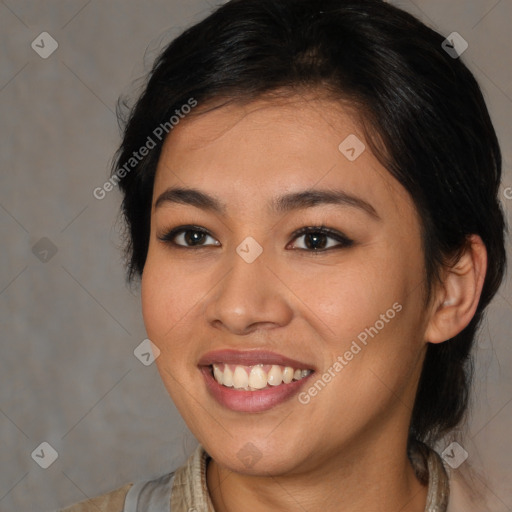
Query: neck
column 356, row 480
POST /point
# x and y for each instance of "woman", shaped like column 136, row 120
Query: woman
column 310, row 190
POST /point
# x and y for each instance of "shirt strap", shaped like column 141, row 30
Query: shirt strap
column 150, row 496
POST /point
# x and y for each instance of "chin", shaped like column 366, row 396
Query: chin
column 257, row 457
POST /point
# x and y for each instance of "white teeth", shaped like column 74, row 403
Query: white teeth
column 253, row 378
column 288, row 375
column 275, row 376
column 217, row 373
column 240, row 378
column 258, row 377
column 227, row 378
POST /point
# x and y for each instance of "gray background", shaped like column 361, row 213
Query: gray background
column 69, row 325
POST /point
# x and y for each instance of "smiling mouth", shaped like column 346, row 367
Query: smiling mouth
column 256, row 377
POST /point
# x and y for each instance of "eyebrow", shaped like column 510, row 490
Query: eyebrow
column 282, row 204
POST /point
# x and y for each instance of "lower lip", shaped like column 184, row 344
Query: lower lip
column 251, row 401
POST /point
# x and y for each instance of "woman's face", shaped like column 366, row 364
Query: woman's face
column 245, row 291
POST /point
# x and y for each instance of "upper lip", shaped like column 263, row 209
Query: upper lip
column 251, row 358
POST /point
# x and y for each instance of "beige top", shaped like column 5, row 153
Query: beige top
column 190, row 491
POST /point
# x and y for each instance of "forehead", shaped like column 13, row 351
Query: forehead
column 250, row 153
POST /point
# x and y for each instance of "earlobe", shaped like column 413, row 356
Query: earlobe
column 458, row 297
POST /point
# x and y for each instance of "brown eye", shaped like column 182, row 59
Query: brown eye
column 189, row 237
column 316, row 239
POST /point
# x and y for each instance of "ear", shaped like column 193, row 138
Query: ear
column 457, row 299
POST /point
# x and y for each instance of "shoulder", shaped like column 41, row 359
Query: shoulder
column 185, row 487
column 112, row 501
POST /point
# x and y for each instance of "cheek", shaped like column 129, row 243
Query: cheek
column 163, row 302
column 151, row 298
column 375, row 310
column 356, row 295
column 170, row 297
column 160, row 300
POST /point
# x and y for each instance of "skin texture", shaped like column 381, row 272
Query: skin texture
column 345, row 449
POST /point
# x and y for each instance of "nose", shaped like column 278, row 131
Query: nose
column 250, row 297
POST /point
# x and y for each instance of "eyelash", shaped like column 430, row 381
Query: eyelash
column 330, row 233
